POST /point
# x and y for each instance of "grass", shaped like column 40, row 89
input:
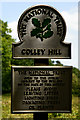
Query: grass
column 6, row 110
column 75, row 110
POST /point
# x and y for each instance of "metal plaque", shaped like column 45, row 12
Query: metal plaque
column 41, row 30
column 41, row 89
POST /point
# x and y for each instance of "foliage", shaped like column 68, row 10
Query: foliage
column 6, row 54
column 58, row 63
column 42, row 31
column 76, row 72
column 55, row 63
column 75, row 77
column 23, row 62
column 76, row 81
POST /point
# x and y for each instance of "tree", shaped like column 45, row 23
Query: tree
column 58, row 63
column 6, row 48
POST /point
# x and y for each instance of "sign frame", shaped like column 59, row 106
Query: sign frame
column 61, row 49
column 48, row 111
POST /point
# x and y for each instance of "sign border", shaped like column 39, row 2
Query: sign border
column 62, row 40
column 46, row 111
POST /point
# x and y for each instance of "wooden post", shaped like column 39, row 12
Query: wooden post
column 41, row 115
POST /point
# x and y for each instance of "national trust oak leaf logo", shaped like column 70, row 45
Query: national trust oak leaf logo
column 42, row 30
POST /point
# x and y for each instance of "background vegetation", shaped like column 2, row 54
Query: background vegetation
column 7, row 61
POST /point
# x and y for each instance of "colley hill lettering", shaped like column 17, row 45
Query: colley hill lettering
column 35, row 51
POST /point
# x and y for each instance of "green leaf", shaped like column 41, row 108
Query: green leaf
column 36, row 22
column 39, row 35
column 35, row 31
column 46, row 22
column 48, row 34
column 39, row 31
column 48, row 27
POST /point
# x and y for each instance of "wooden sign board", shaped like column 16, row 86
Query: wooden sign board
column 41, row 89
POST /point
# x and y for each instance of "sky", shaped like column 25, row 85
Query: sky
column 11, row 11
